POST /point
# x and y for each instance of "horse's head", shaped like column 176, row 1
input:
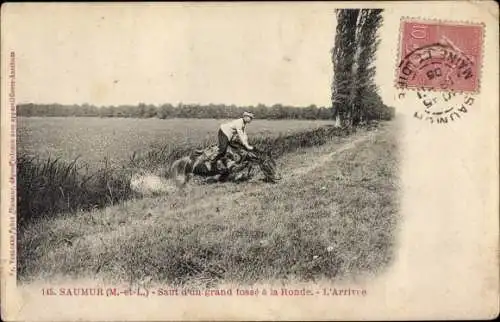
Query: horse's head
column 260, row 157
column 266, row 163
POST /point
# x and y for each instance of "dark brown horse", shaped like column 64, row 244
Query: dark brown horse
column 238, row 165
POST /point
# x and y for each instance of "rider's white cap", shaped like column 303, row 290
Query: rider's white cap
column 249, row 114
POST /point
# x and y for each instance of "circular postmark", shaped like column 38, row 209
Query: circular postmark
column 439, row 107
column 432, row 71
column 435, row 67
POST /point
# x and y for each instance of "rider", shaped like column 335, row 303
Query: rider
column 229, row 131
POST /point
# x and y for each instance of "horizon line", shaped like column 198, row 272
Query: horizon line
column 176, row 105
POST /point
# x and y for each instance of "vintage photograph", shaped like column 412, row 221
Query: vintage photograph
column 211, row 188
column 268, row 155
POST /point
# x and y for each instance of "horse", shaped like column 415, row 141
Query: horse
column 237, row 165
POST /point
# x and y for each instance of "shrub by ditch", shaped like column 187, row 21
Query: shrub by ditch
column 53, row 186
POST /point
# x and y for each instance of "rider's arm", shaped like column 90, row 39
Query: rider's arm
column 243, row 137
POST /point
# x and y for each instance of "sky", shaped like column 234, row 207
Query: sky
column 210, row 55
column 242, row 54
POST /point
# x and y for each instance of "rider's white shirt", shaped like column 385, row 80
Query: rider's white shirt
column 233, row 128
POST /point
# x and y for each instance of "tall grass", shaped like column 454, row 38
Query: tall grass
column 47, row 187
column 52, row 186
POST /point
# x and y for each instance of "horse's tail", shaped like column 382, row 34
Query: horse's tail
column 181, row 171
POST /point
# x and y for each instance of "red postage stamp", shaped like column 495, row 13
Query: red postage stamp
column 441, row 56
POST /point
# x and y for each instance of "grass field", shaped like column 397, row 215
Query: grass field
column 111, row 152
column 92, row 139
column 333, row 215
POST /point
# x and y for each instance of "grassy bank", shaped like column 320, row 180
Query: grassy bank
column 47, row 187
column 333, row 216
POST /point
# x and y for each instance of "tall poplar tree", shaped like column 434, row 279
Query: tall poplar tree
column 367, row 41
column 343, row 57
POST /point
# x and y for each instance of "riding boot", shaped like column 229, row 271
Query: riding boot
column 213, row 165
column 221, row 166
column 224, row 167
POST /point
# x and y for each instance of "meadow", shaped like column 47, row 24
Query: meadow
column 92, row 140
column 71, row 164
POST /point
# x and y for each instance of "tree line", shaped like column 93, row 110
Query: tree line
column 355, row 96
column 165, row 111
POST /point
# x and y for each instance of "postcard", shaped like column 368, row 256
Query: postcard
column 249, row 161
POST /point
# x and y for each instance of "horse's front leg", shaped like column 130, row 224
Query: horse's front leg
column 249, row 170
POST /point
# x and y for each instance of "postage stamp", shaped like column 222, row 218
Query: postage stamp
column 439, row 66
column 440, row 56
